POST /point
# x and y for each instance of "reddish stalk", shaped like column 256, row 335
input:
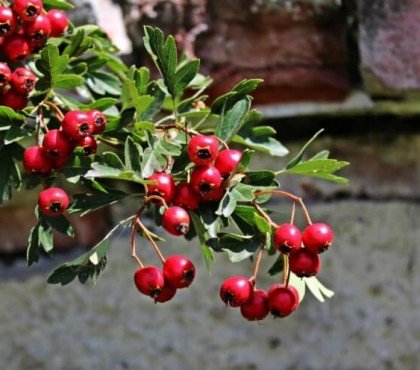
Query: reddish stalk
column 147, row 234
column 257, row 266
column 57, row 111
column 292, row 217
column 264, row 215
column 133, row 245
column 156, row 197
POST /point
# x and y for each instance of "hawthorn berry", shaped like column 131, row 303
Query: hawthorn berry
column 167, row 293
column 304, row 263
column 149, row 280
column 39, row 28
column 77, row 124
column 59, row 22
column 227, row 160
column 205, row 179
column 317, row 237
column 56, row 144
column 287, row 238
column 214, row 195
column 23, row 81
column 203, row 149
column 27, row 10
column 5, row 75
column 8, row 21
column 35, row 160
column 99, row 121
column 176, row 221
column 283, row 300
column 88, row 144
column 12, row 99
column 257, row 307
column 178, row 271
column 16, row 48
column 60, row 162
column 164, row 186
column 186, row 197
column 53, row 202
column 236, row 291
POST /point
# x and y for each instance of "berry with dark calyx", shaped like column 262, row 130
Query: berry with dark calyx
column 39, row 28
column 53, row 202
column 56, row 144
column 23, row 81
column 98, row 120
column 283, row 300
column 36, row 161
column 257, row 307
column 59, row 22
column 178, row 271
column 149, row 280
column 164, row 186
column 14, row 100
column 186, row 197
column 236, row 291
column 304, row 263
column 16, row 48
column 214, row 195
column 167, row 293
column 203, row 149
column 88, row 144
column 77, row 124
column 36, row 45
column 5, row 75
column 227, row 160
column 205, row 179
column 27, row 10
column 8, row 21
column 287, row 238
column 317, row 237
column 176, row 221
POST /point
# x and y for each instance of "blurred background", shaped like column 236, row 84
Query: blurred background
column 349, row 66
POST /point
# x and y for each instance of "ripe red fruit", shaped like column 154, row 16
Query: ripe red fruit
column 214, row 195
column 164, row 187
column 167, row 293
column 205, row 179
column 27, row 10
column 8, row 21
column 88, row 144
column 317, row 237
column 59, row 22
column 23, row 81
column 36, row 161
column 39, row 28
column 287, row 238
column 203, row 149
column 178, row 271
column 186, row 197
column 77, row 124
column 53, row 202
column 283, row 300
column 56, row 144
column 14, row 100
column 99, row 121
column 5, row 74
column 176, row 221
column 236, row 291
column 304, row 263
column 257, row 307
column 60, row 162
column 227, row 160
column 16, row 48
column 149, row 280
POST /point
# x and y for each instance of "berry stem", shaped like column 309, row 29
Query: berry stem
column 264, row 215
column 257, row 265
column 57, row 111
column 286, row 270
column 292, row 217
column 156, row 197
column 147, row 234
column 133, row 245
column 222, row 142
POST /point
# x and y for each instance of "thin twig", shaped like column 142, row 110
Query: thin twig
column 265, row 215
column 292, row 217
column 147, row 234
column 156, row 197
column 257, row 265
column 133, row 245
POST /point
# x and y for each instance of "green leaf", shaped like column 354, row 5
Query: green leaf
column 10, row 177
column 259, row 178
column 320, row 168
column 277, row 267
column 9, row 117
column 239, row 247
column 203, row 236
column 67, row 81
column 58, row 4
column 131, row 98
column 249, row 221
column 100, row 104
column 184, row 76
column 87, row 203
column 15, row 133
column 51, row 65
column 232, row 119
column 32, row 251
column 319, row 291
column 61, row 224
column 105, row 172
column 239, row 193
column 299, row 157
column 132, row 154
column 45, row 236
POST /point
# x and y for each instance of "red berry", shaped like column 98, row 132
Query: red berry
column 214, row 195
column 203, row 149
column 8, row 21
column 23, row 81
column 186, row 197
column 179, row 271
column 53, row 202
column 60, row 162
column 27, row 10
column 36, row 161
column 149, row 280
column 77, row 124
column 167, row 293
column 39, row 28
column 88, row 144
column 59, row 22
column 164, row 186
column 283, row 300
column 36, row 45
column 14, row 100
column 227, row 160
column 205, row 179
column 317, row 237
column 287, row 238
column 5, row 75
column 236, row 291
column 16, row 48
column 257, row 307
column 304, row 263
column 56, row 144
column 99, row 121
column 176, row 221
